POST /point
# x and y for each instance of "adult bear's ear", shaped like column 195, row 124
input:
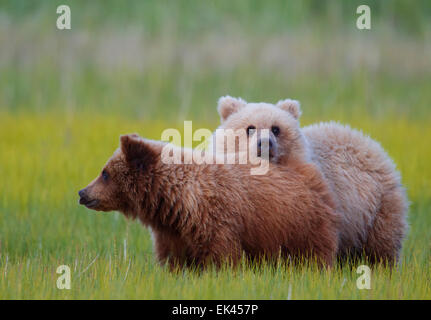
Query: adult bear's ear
column 291, row 106
column 228, row 105
column 136, row 150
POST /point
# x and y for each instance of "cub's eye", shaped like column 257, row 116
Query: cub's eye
column 250, row 130
column 105, row 175
column 275, row 130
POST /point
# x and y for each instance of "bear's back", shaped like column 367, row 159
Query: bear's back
column 288, row 205
column 358, row 172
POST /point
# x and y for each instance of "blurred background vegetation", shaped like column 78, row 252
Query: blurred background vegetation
column 174, row 59
column 144, row 66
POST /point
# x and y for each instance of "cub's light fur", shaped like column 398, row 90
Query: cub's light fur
column 363, row 179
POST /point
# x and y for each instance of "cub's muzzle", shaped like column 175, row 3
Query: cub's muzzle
column 85, row 200
column 266, row 147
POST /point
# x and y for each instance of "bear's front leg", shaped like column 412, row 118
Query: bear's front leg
column 170, row 249
column 223, row 248
column 325, row 245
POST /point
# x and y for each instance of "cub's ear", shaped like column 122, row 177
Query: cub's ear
column 136, row 150
column 291, row 106
column 228, row 105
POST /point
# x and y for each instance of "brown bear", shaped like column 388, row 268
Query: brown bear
column 212, row 213
column 363, row 180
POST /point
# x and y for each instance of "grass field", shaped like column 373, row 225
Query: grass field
column 66, row 96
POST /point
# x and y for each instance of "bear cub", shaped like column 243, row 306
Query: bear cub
column 202, row 213
column 362, row 179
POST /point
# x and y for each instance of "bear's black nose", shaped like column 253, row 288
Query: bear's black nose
column 269, row 142
column 81, row 193
column 83, row 197
column 266, row 147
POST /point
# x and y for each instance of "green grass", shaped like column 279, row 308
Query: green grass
column 65, row 97
column 46, row 159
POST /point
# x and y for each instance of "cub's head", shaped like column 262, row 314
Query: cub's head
column 116, row 187
column 285, row 140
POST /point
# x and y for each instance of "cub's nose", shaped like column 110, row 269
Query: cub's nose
column 82, row 193
column 83, row 198
column 266, row 147
column 264, row 143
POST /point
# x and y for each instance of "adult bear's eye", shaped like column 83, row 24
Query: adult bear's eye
column 275, row 130
column 250, row 130
column 105, row 175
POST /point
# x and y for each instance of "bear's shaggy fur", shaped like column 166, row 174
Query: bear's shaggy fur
column 363, row 179
column 216, row 213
